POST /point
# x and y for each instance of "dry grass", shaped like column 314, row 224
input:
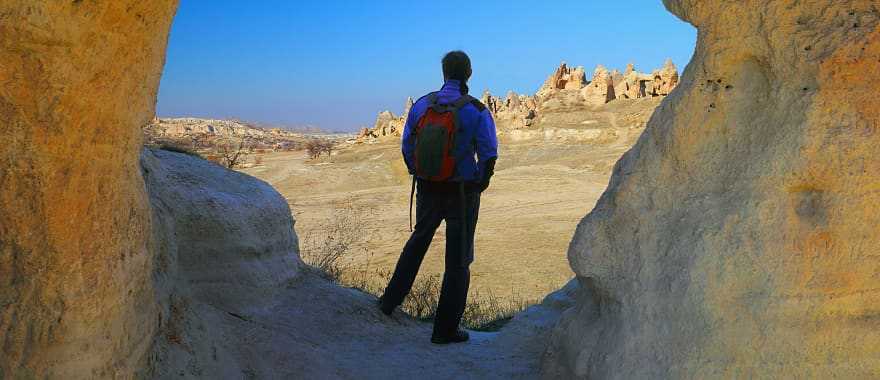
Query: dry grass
column 333, row 250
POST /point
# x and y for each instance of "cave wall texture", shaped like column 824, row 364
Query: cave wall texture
column 78, row 79
column 739, row 236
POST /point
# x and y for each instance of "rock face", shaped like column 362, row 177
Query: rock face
column 665, row 79
column 738, row 238
column 387, row 125
column 196, row 132
column 102, row 273
column 565, row 78
column 567, row 88
column 601, row 87
column 223, row 242
column 78, row 79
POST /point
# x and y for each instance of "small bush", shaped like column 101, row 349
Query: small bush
column 316, row 147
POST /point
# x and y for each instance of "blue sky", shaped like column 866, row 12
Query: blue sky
column 336, row 64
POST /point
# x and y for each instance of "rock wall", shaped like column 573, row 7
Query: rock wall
column 600, row 90
column 79, row 79
column 224, row 245
column 738, row 238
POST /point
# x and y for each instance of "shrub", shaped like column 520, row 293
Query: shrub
column 231, row 152
column 315, row 147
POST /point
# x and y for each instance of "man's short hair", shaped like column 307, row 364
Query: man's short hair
column 456, row 65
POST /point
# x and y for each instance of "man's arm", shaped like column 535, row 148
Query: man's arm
column 407, row 140
column 487, row 148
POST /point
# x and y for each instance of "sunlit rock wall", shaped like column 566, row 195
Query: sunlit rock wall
column 78, row 79
column 740, row 237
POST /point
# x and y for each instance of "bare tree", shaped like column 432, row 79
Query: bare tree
column 233, row 151
column 316, row 147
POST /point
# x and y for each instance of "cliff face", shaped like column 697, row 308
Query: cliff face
column 738, row 238
column 79, row 79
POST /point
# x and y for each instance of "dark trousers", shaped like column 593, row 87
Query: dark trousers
column 431, row 209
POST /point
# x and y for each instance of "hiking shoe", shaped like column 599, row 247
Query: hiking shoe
column 384, row 308
column 458, row 337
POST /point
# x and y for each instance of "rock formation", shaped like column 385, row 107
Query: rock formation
column 738, row 238
column 79, row 79
column 224, row 244
column 199, row 133
column 564, row 78
column 101, row 270
column 600, row 90
column 387, row 125
column 567, row 87
column 665, row 79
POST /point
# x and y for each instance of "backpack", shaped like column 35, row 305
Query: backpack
column 435, row 140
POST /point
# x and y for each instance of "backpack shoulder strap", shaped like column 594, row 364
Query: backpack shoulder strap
column 462, row 101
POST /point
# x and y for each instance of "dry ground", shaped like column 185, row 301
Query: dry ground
column 548, row 177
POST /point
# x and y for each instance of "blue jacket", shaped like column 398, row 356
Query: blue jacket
column 477, row 137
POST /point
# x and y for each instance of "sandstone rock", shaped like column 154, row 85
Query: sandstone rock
column 564, row 78
column 630, row 68
column 616, row 77
column 665, row 79
column 633, row 84
column 576, row 79
column 204, row 133
column 79, row 80
column 406, row 107
column 384, row 124
column 600, row 90
column 738, row 238
column 513, row 102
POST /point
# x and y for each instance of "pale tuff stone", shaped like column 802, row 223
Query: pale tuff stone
column 600, row 90
column 738, row 237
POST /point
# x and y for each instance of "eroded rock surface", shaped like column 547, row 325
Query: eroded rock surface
column 565, row 90
column 738, row 238
column 79, row 79
column 224, row 246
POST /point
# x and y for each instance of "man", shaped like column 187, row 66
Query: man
column 453, row 196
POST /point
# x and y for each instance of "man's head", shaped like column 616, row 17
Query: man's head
column 456, row 65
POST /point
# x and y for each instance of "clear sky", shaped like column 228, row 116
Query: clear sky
column 336, row 64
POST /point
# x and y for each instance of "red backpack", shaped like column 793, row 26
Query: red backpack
column 435, row 140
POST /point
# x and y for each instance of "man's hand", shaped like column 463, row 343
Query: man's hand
column 488, row 172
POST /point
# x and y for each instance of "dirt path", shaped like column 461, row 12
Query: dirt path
column 317, row 330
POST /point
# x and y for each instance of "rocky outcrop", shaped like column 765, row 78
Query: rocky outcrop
column 600, row 90
column 566, row 88
column 223, row 243
column 79, row 80
column 564, row 78
column 387, row 125
column 664, row 79
column 738, row 237
column 513, row 111
column 105, row 275
column 204, row 133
